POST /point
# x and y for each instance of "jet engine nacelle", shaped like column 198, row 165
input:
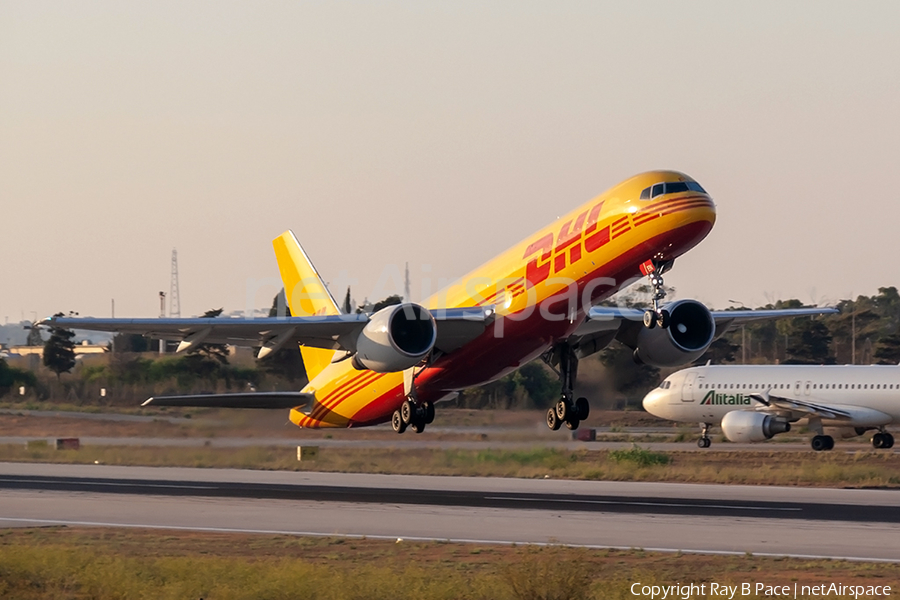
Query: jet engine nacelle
column 395, row 339
column 690, row 332
column 748, row 426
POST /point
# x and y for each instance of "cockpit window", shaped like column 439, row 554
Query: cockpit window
column 673, row 187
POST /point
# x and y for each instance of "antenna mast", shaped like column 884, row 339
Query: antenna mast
column 406, row 294
column 174, row 303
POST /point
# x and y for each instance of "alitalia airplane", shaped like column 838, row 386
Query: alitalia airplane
column 755, row 402
column 537, row 299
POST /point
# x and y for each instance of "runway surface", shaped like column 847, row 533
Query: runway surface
column 858, row 524
column 409, row 442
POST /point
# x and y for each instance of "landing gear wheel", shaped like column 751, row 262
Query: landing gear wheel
column 563, row 410
column 407, row 411
column 882, row 439
column 553, row 421
column 662, row 319
column 649, row 319
column 888, row 440
column 429, row 412
column 582, row 408
column 397, row 423
column 418, row 426
column 572, row 424
column 822, row 442
column 704, row 442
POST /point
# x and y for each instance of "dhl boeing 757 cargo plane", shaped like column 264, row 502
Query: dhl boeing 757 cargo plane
column 537, row 299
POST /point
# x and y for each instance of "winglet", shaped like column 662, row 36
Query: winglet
column 306, row 294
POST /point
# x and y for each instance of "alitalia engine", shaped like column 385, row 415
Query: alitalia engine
column 690, row 332
column 395, row 339
column 749, row 426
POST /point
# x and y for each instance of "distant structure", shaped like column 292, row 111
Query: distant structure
column 162, row 315
column 406, row 294
column 174, row 302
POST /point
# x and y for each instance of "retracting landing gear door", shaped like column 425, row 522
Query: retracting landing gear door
column 687, row 390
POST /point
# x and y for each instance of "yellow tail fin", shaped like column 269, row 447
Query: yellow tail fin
column 306, row 295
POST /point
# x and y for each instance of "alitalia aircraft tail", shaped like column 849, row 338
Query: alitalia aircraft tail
column 306, row 295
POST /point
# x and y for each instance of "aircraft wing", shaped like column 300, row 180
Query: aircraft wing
column 235, row 400
column 455, row 327
column 609, row 318
column 856, row 416
column 810, row 409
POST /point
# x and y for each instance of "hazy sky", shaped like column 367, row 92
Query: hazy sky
column 434, row 133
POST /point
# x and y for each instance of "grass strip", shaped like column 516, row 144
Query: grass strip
column 802, row 468
column 101, row 564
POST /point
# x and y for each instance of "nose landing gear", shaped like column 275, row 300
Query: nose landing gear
column 654, row 269
column 704, row 441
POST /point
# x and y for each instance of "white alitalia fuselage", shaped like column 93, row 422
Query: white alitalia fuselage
column 870, row 394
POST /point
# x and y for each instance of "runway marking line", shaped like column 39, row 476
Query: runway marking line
column 114, row 484
column 362, row 536
column 664, row 504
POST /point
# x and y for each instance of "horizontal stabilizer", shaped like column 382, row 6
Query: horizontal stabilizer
column 237, row 400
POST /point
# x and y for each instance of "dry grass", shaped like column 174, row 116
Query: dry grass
column 835, row 469
column 111, row 564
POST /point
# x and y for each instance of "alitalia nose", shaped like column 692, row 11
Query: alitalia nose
column 657, row 403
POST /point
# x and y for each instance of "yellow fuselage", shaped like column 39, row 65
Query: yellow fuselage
column 541, row 290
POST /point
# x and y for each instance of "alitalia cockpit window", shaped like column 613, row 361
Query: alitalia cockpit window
column 673, row 187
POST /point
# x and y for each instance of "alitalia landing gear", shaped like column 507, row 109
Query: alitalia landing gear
column 882, row 439
column 704, row 441
column 568, row 410
column 654, row 269
column 822, row 442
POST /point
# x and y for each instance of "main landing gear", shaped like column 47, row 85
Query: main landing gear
column 822, row 442
column 704, row 441
column 654, row 269
column 882, row 439
column 567, row 410
column 412, row 414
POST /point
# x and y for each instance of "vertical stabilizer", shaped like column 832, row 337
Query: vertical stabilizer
column 306, row 294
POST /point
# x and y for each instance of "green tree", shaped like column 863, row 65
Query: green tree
column 887, row 350
column 211, row 352
column 627, row 377
column 389, row 301
column 811, row 343
column 59, row 349
column 34, row 336
column 130, row 342
column 10, row 377
column 541, row 387
column 347, row 307
column 720, row 352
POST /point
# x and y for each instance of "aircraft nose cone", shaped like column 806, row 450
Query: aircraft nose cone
column 653, row 401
